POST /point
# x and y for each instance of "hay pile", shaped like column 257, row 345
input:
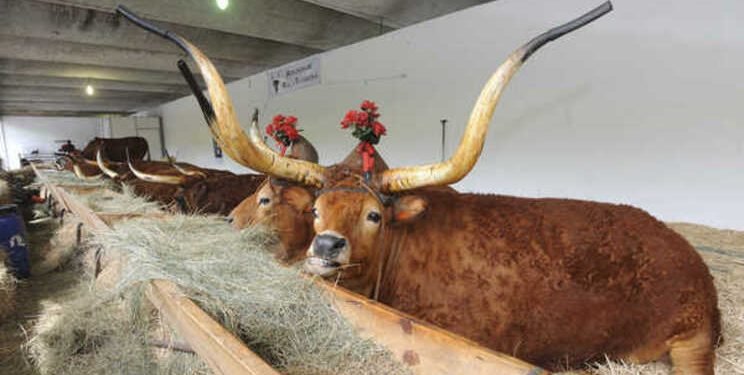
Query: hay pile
column 233, row 276
column 95, row 332
column 7, row 288
column 6, row 194
column 68, row 178
column 108, row 202
column 57, row 249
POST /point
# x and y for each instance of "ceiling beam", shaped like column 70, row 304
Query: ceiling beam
column 288, row 21
column 396, row 13
column 79, row 84
column 100, row 106
column 58, row 113
column 67, row 94
column 25, row 48
column 90, row 72
column 69, row 24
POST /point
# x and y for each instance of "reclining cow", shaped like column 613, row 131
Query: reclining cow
column 205, row 191
column 554, row 281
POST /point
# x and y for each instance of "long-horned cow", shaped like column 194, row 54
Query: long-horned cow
column 554, row 281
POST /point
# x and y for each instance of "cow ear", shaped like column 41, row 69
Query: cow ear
column 408, row 207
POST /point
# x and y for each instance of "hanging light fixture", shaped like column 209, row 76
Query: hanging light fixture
column 89, row 90
column 222, row 4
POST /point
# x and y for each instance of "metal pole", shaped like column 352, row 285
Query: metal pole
column 444, row 135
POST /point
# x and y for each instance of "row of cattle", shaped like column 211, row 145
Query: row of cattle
column 557, row 282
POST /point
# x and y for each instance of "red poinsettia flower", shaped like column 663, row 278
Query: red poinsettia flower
column 368, row 105
column 282, row 129
column 378, row 129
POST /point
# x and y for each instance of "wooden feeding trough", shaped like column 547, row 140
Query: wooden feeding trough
column 425, row 349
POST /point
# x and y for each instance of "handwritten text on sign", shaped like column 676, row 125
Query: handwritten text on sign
column 294, row 76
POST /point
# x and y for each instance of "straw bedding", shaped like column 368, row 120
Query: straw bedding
column 280, row 315
column 126, row 202
column 6, row 195
column 69, row 179
column 7, row 288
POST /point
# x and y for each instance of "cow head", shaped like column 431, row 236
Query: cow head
column 283, row 206
column 352, row 212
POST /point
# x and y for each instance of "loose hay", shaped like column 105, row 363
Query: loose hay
column 56, row 250
column 6, row 194
column 7, row 288
column 97, row 333
column 281, row 315
column 68, row 178
column 105, row 201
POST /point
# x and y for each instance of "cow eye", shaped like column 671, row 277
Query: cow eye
column 314, row 211
column 374, row 217
column 264, row 201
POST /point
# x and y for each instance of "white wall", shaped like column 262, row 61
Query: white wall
column 25, row 134
column 643, row 107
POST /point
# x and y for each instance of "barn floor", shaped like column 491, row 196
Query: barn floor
column 30, row 297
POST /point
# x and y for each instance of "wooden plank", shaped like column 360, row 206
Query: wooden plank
column 224, row 353
column 426, row 349
column 203, row 334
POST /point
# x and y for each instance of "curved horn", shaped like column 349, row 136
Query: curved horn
column 79, row 172
column 248, row 150
column 103, row 167
column 471, row 145
column 149, row 177
column 89, row 162
column 185, row 172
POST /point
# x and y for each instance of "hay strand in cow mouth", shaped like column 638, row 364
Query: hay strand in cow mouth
column 473, row 139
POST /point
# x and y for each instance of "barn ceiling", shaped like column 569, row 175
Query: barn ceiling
column 51, row 49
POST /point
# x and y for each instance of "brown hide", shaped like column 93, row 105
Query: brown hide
column 219, row 194
column 115, row 148
column 161, row 193
column 556, row 282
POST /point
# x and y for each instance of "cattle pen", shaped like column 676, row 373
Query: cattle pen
column 423, row 348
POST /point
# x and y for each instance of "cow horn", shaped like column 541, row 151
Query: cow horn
column 79, row 172
column 471, row 145
column 248, row 150
column 103, row 167
column 89, row 162
column 149, row 177
column 185, row 172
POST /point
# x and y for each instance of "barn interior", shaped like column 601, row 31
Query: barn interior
column 154, row 222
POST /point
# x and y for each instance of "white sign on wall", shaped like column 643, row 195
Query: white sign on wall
column 294, row 76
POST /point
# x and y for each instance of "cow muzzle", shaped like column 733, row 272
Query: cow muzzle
column 328, row 252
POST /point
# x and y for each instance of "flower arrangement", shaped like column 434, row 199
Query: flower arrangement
column 367, row 129
column 284, row 131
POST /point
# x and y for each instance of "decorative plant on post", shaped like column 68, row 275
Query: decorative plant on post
column 284, row 131
column 368, row 130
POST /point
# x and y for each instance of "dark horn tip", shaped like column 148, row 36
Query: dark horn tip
column 204, row 104
column 255, row 115
column 566, row 28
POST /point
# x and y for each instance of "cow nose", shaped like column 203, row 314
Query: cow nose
column 328, row 246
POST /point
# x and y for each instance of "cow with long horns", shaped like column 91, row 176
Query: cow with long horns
column 557, row 282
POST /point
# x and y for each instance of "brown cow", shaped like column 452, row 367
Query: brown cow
column 198, row 190
column 116, row 148
column 557, row 282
